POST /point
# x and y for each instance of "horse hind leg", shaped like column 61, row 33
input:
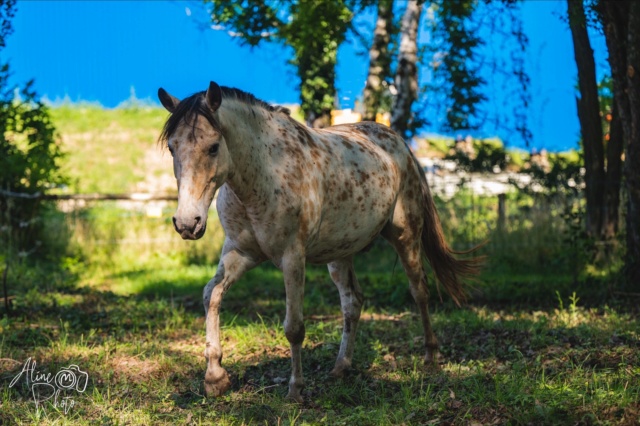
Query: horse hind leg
column 407, row 244
column 351, row 300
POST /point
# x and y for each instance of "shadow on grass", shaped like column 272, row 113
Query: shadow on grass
column 400, row 389
column 388, row 378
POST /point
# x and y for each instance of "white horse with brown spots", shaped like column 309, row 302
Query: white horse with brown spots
column 292, row 195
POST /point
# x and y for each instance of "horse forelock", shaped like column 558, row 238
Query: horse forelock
column 195, row 105
column 188, row 111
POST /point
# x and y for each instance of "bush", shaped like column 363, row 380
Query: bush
column 29, row 152
column 485, row 155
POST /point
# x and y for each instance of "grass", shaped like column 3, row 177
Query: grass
column 119, row 141
column 135, row 325
column 118, row 293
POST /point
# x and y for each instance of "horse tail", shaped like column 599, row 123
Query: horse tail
column 449, row 270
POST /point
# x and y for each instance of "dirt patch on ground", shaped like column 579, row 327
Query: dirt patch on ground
column 135, row 369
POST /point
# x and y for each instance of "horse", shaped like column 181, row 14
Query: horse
column 293, row 195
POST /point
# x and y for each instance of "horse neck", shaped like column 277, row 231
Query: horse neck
column 246, row 129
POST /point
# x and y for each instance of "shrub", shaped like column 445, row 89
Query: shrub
column 29, row 152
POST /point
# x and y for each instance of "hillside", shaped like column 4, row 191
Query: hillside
column 116, row 151
column 113, row 150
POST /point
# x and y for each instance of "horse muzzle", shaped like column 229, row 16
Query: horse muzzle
column 190, row 229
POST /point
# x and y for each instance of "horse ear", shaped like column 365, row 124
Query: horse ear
column 168, row 101
column 214, row 96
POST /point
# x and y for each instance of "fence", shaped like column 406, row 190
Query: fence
column 473, row 208
column 526, row 233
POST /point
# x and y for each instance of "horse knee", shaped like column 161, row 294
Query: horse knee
column 420, row 293
column 207, row 294
column 351, row 311
column 294, row 330
column 212, row 295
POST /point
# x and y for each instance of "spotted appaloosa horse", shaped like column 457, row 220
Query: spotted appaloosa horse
column 291, row 195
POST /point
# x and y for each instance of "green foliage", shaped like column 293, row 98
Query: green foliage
column 461, row 63
column 257, row 20
column 29, row 148
column 605, row 95
column 565, row 177
column 455, row 71
column 315, row 32
column 29, row 152
column 488, row 155
column 580, row 247
column 313, row 29
column 7, row 12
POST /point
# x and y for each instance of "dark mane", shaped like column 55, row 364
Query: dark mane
column 248, row 98
column 191, row 107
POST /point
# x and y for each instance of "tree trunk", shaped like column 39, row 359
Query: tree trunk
column 406, row 80
column 615, row 145
column 632, row 155
column 621, row 23
column 379, row 61
column 589, row 116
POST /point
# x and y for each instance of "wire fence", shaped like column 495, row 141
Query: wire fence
column 487, row 209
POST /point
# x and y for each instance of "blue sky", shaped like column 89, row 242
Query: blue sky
column 99, row 50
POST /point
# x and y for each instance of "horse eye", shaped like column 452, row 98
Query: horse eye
column 213, row 151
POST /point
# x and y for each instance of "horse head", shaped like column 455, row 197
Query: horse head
column 201, row 160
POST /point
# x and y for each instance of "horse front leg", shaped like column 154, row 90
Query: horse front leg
column 293, row 268
column 231, row 267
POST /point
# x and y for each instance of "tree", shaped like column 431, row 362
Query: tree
column 458, row 49
column 621, row 23
column 614, row 146
column 313, row 29
column 406, row 79
column 589, row 116
column 376, row 89
column 29, row 149
column 315, row 32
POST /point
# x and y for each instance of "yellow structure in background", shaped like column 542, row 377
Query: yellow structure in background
column 346, row 116
column 384, row 118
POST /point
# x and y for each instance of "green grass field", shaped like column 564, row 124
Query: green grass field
column 544, row 339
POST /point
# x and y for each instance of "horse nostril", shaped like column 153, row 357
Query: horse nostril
column 198, row 219
column 175, row 224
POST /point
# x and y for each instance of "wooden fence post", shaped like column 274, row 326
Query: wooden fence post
column 502, row 212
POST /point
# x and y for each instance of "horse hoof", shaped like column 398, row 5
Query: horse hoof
column 337, row 372
column 295, row 391
column 295, row 397
column 431, row 362
column 431, row 357
column 340, row 369
column 216, row 385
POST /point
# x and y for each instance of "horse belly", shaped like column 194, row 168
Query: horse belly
column 349, row 225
